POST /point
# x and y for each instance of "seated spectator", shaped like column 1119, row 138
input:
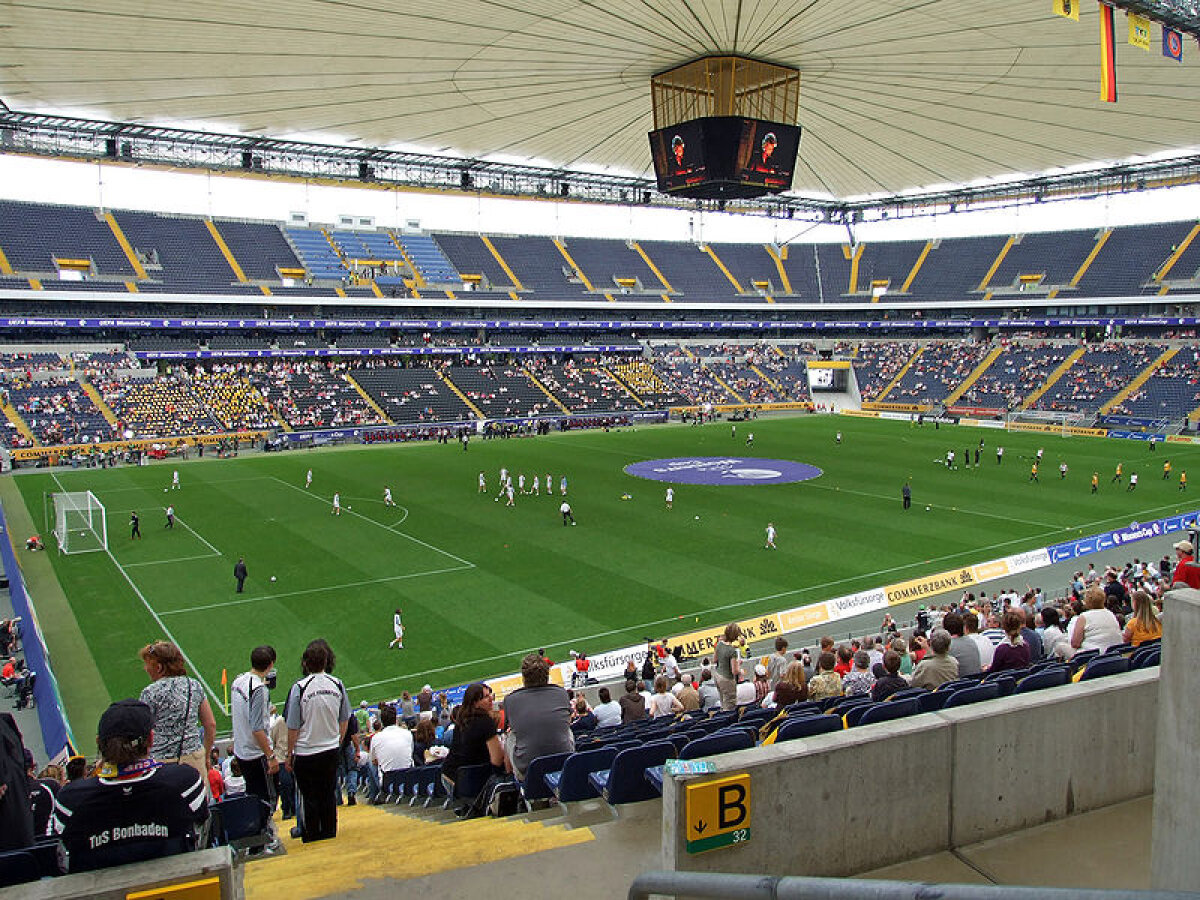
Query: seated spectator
column 538, row 716
column 937, row 667
column 392, row 751
column 1144, row 624
column 583, row 719
column 633, row 706
column 986, row 648
column 827, row 682
column 1013, row 652
column 608, row 711
column 1186, row 571
column 41, row 797
column 1033, row 640
column 791, row 687
column 900, row 645
column 892, row 681
column 687, row 693
column 845, row 660
column 962, row 648
column 744, row 693
column 761, row 685
column 663, row 703
column 1054, row 641
column 424, row 737
column 136, row 809
column 859, row 680
column 710, row 697
column 475, row 740
column 235, row 784
column 1096, row 628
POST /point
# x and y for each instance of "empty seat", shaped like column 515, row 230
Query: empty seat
column 625, row 780
column 886, row 712
column 807, row 726
column 969, row 695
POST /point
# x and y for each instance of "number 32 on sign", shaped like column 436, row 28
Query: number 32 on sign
column 718, row 813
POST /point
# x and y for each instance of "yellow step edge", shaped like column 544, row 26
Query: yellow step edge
column 132, row 287
column 916, row 267
column 637, row 248
column 623, row 385
column 461, row 396
column 721, row 381
column 720, row 265
column 1054, row 376
column 1090, row 258
column 903, row 369
column 10, row 413
column 769, row 380
column 562, row 248
column 266, row 290
column 115, row 227
column 94, row 395
column 1012, row 239
column 983, row 366
column 376, row 291
column 5, row 268
column 417, row 276
column 545, row 390
column 35, row 284
column 225, row 251
column 1161, row 273
column 780, row 256
column 367, row 397
column 854, row 261
column 503, row 263
column 341, row 292
column 1145, row 375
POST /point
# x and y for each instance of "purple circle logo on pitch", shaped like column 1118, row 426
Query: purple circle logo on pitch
column 723, row 470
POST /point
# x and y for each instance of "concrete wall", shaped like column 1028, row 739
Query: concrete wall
column 116, row 884
column 1175, row 864
column 847, row 802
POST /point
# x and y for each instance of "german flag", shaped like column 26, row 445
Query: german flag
column 1108, row 56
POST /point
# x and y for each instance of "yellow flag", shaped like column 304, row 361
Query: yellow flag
column 1139, row 31
column 1067, row 8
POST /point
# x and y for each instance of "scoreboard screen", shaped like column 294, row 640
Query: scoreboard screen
column 725, row 157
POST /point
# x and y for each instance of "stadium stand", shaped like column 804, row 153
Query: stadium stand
column 500, row 391
column 583, row 386
column 313, row 394
column 412, row 395
column 158, row 407
column 1016, row 373
column 877, row 363
column 936, row 372
column 1096, row 377
column 1172, row 392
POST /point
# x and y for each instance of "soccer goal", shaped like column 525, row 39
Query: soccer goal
column 80, row 525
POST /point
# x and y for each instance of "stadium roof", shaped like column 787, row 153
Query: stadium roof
column 895, row 94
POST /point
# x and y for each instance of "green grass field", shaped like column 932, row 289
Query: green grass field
column 480, row 584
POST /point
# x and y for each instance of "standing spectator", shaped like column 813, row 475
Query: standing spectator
column 778, row 663
column 285, row 784
column 250, row 713
column 538, row 715
column 181, row 710
column 729, row 666
column 938, row 667
column 761, row 687
column 135, row 809
column 392, row 751
column 317, row 712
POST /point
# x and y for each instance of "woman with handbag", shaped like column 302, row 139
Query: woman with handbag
column 184, row 727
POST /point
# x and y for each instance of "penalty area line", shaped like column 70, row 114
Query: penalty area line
column 316, row 590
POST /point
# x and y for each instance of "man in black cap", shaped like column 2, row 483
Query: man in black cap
column 136, row 809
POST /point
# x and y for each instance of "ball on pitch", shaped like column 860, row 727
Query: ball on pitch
column 272, row 577
column 928, row 508
column 164, row 490
column 697, row 518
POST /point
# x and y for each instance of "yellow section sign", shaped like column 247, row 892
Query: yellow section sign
column 717, row 812
column 203, row 889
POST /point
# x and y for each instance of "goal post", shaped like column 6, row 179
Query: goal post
column 80, row 524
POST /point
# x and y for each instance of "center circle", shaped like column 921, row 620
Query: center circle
column 723, row 470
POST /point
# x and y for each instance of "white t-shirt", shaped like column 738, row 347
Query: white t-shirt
column 608, row 714
column 316, row 706
column 670, row 494
column 392, row 748
column 565, row 508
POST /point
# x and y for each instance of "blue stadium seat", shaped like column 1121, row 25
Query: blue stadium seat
column 534, row 786
column 968, row 695
column 571, row 782
column 468, row 783
column 886, row 712
column 933, row 701
column 907, row 694
column 244, row 823
column 18, row 867
column 1052, row 676
column 807, row 726
column 1144, row 657
column 625, row 781
column 713, row 744
column 1104, row 665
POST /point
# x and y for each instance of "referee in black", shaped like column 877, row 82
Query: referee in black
column 135, row 525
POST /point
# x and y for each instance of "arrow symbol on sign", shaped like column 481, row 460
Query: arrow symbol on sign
column 701, row 827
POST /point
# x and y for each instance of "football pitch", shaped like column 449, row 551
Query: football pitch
column 481, row 583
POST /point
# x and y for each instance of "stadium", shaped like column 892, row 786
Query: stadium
column 468, row 337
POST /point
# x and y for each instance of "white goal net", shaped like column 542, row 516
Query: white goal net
column 80, row 525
